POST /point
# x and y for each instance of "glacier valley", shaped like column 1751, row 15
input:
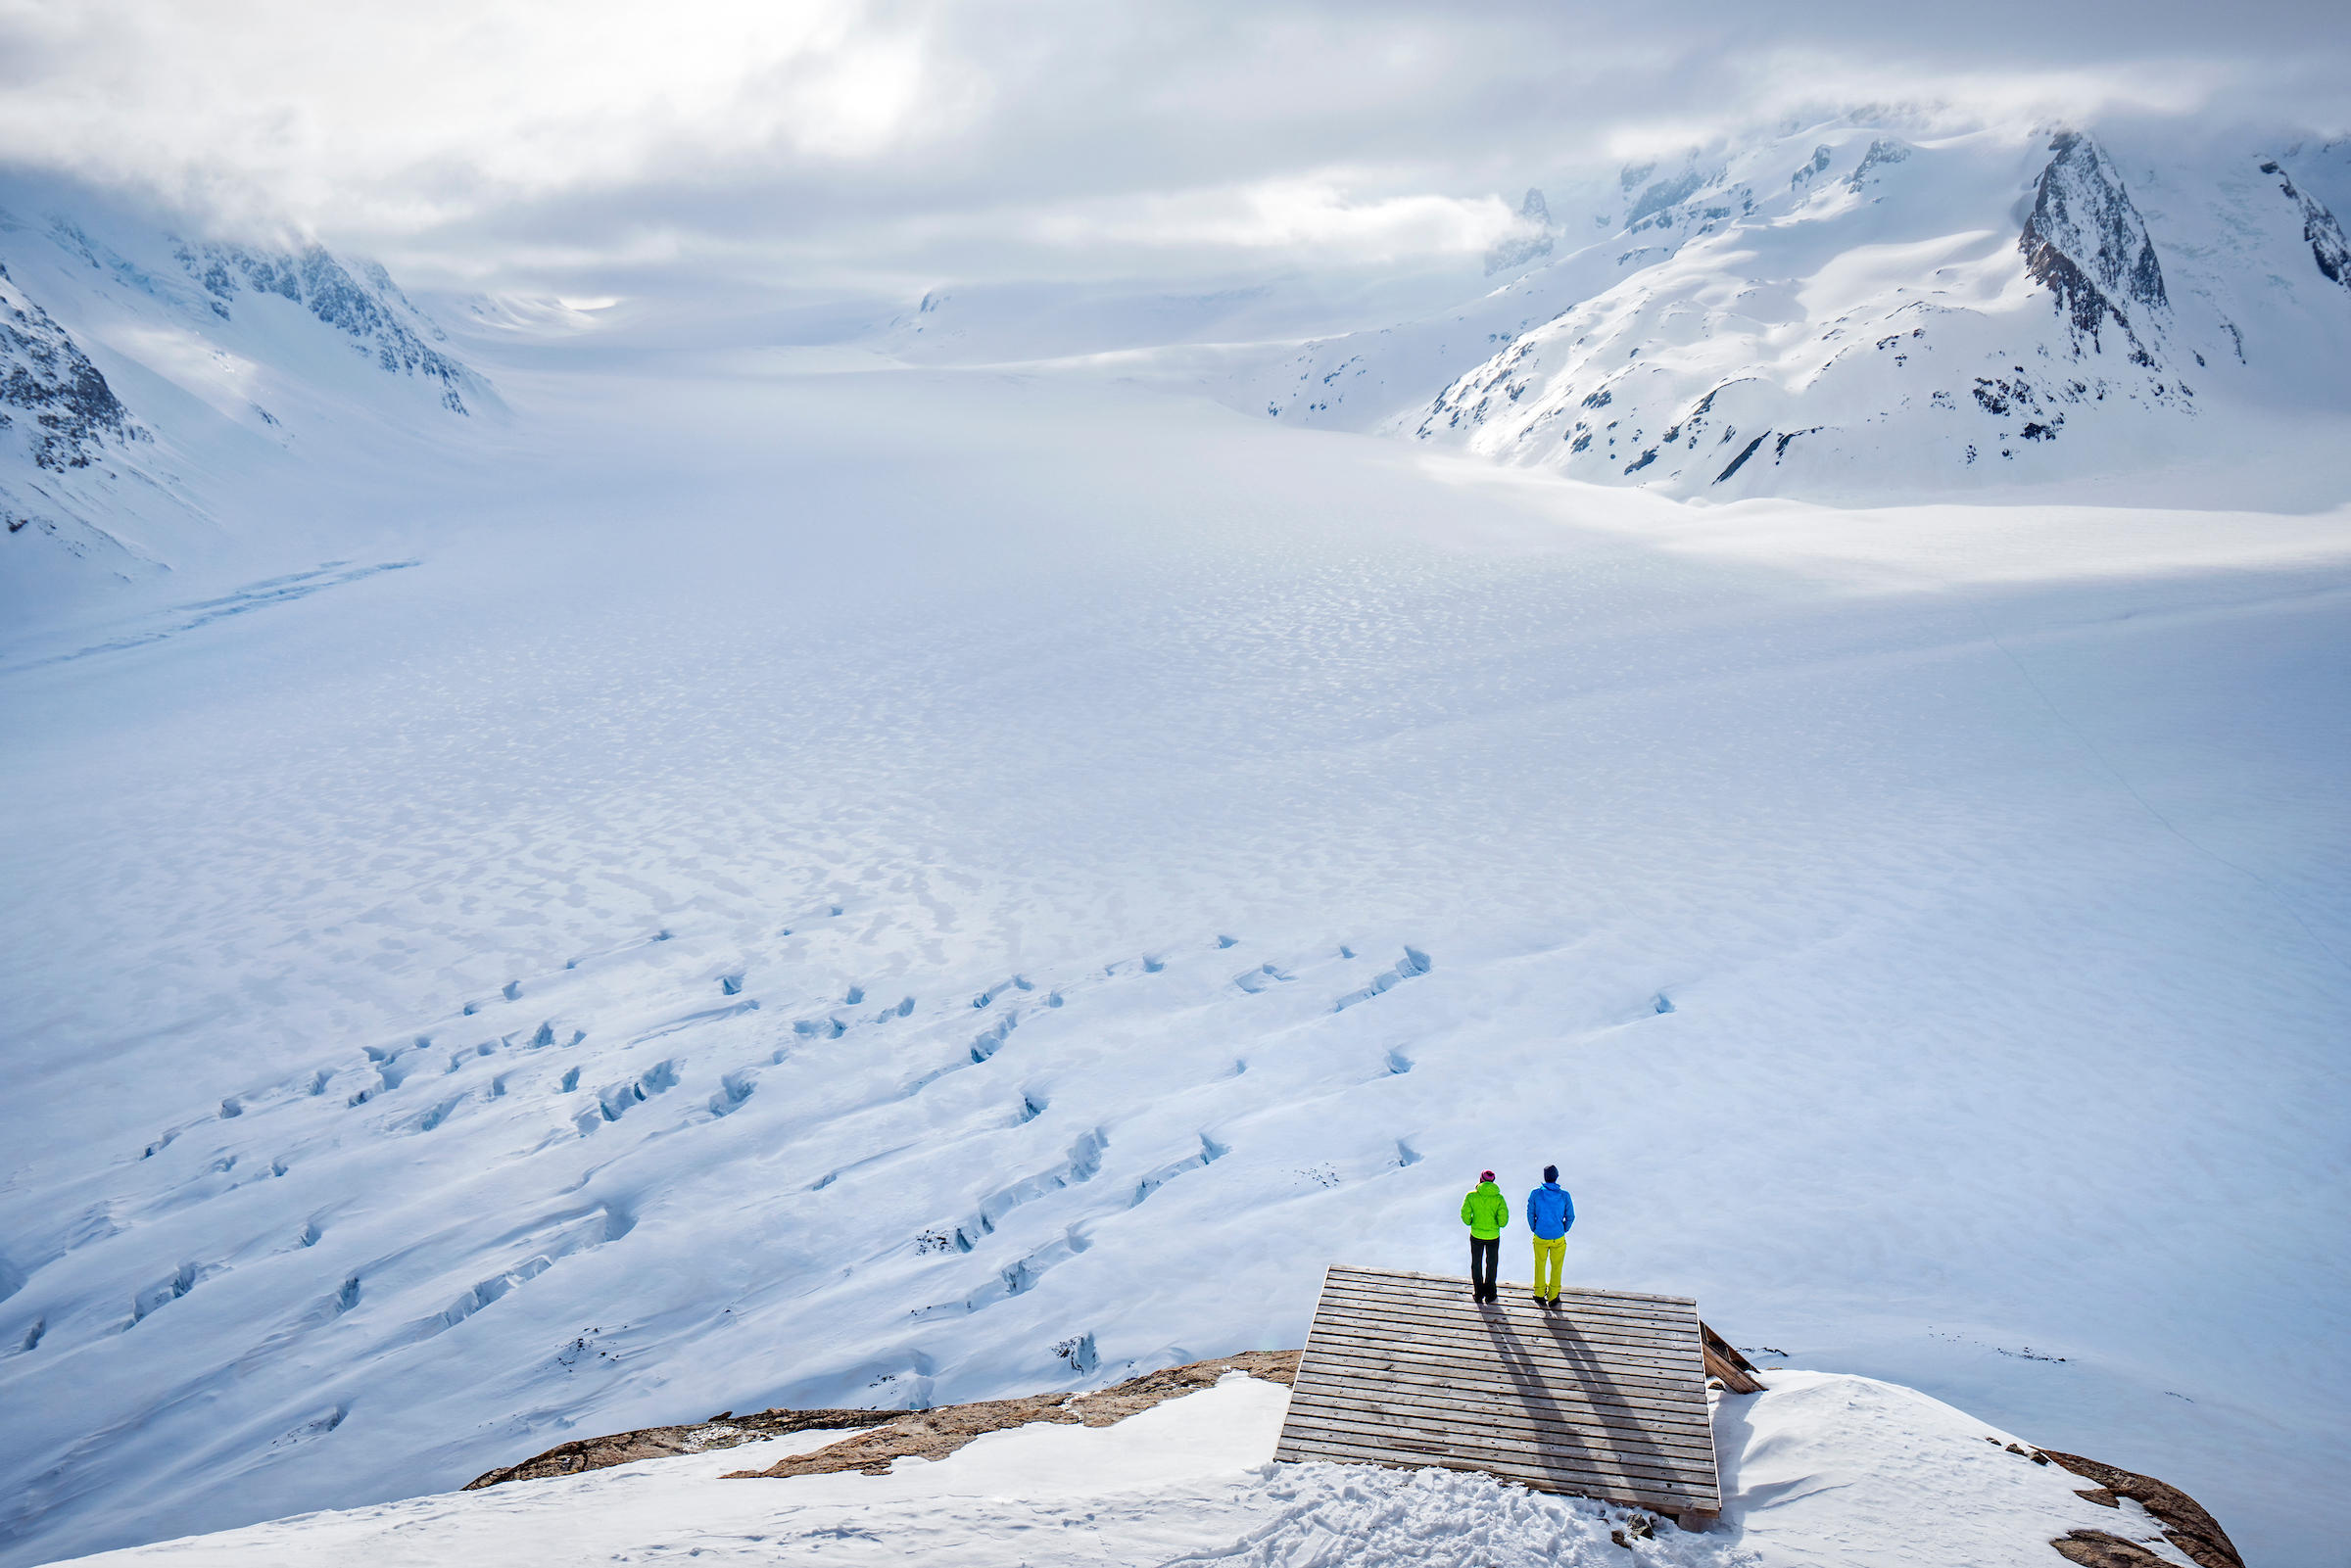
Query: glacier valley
column 573, row 869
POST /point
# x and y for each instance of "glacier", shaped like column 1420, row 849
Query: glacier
column 571, row 873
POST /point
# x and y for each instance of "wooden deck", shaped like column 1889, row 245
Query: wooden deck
column 1604, row 1395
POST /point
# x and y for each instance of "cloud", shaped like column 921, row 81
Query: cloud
column 570, row 142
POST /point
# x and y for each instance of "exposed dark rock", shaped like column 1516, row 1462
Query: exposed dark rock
column 2320, row 230
column 2096, row 1548
column 45, row 374
column 1745, row 453
column 2087, row 244
column 2184, row 1522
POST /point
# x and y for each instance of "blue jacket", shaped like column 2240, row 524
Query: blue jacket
column 1550, row 1211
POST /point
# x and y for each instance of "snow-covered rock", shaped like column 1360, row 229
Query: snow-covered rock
column 151, row 380
column 1818, row 1470
column 1863, row 310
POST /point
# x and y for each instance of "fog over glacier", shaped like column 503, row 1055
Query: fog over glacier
column 879, row 706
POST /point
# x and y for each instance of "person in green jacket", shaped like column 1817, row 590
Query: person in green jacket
column 1485, row 1211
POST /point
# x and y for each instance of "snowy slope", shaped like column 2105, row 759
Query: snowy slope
column 150, row 381
column 1818, row 1470
column 1859, row 310
column 815, row 884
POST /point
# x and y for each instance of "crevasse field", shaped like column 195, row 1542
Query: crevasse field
column 772, row 878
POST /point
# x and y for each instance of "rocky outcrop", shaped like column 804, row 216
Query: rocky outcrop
column 725, row 1430
column 313, row 279
column 50, row 392
column 2185, row 1524
column 897, row 1434
column 2320, row 231
column 935, row 1434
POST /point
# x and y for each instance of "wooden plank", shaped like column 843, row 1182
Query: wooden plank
column 1438, row 1339
column 1516, row 1315
column 1628, row 1429
column 1678, row 1351
column 1726, row 1350
column 1733, row 1380
column 1594, row 1325
column 1511, row 1309
column 1572, row 1404
column 1605, row 1487
column 1430, row 1287
column 1559, row 1473
column 1689, row 1302
column 1633, row 1447
column 1405, row 1412
column 1672, row 1428
column 1417, row 1401
column 1460, row 1290
column 1512, row 1292
column 1723, row 1360
column 1368, row 1359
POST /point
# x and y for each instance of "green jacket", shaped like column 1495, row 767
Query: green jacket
column 1485, row 1211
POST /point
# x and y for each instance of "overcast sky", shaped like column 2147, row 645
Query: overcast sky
column 557, row 143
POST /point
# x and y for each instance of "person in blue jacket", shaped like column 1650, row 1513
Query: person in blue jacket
column 1549, row 1213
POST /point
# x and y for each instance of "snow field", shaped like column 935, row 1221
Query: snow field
column 1921, row 949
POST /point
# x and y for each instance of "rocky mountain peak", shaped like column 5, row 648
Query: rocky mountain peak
column 1531, row 243
column 53, row 400
column 316, row 280
column 2320, row 230
column 2088, row 245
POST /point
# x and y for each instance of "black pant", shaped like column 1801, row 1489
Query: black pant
column 1484, row 1257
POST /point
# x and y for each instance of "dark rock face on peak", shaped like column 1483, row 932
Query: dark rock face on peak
column 2320, row 230
column 51, row 397
column 2087, row 244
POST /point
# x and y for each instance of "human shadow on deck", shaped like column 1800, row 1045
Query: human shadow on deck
column 1528, row 1346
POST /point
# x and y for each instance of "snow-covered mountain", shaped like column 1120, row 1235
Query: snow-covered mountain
column 1848, row 310
column 145, row 373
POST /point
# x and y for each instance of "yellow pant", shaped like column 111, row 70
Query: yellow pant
column 1549, row 1256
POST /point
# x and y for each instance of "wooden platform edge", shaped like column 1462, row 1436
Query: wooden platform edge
column 1723, row 1362
column 1463, row 1279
